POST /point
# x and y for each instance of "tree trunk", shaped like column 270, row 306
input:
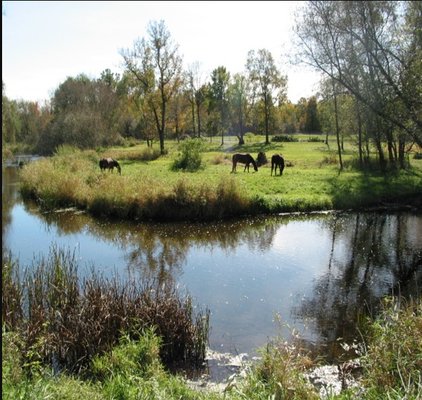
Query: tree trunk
column 359, row 134
column 267, row 140
column 337, row 126
column 193, row 118
column 198, row 118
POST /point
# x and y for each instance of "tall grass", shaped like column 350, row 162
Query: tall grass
column 65, row 181
column 65, row 321
column 393, row 362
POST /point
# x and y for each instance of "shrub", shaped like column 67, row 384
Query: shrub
column 190, row 157
column 284, row 138
column 261, row 159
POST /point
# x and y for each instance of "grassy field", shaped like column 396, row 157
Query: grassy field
column 149, row 188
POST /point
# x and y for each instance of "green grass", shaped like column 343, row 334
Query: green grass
column 151, row 188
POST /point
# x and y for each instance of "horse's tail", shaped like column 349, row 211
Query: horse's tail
column 234, row 162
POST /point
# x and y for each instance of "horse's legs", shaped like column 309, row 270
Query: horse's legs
column 272, row 167
column 234, row 166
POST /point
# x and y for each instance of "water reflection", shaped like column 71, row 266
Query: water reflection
column 372, row 256
column 318, row 272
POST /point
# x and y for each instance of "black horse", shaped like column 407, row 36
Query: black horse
column 277, row 161
column 246, row 159
column 109, row 163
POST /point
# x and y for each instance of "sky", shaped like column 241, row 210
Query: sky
column 45, row 42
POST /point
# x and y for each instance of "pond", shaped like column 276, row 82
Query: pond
column 314, row 275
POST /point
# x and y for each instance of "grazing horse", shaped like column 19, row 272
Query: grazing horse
column 277, row 161
column 246, row 159
column 109, row 163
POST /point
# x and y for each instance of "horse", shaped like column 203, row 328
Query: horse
column 109, row 163
column 246, row 159
column 277, row 161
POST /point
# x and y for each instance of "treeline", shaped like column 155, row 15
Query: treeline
column 91, row 113
column 370, row 54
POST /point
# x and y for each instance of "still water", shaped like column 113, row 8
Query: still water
column 260, row 278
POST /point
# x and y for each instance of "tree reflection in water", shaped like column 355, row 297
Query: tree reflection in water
column 383, row 257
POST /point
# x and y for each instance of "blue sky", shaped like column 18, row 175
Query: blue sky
column 44, row 42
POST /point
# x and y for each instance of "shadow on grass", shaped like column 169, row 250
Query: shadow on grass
column 374, row 189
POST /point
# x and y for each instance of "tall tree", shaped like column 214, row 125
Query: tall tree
column 268, row 80
column 369, row 48
column 218, row 92
column 312, row 123
column 196, row 94
column 84, row 115
column 241, row 99
column 156, row 65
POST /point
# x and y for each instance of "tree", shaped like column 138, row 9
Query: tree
column 157, row 67
column 267, row 79
column 218, row 104
column 196, row 96
column 84, row 115
column 241, row 99
column 372, row 51
column 312, row 123
column 11, row 122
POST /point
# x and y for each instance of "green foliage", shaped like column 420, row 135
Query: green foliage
column 190, row 157
column 284, row 138
column 130, row 358
column 393, row 363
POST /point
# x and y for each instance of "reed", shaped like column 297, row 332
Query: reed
column 65, row 320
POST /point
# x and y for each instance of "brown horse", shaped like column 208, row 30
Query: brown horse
column 109, row 163
column 277, row 161
column 246, row 159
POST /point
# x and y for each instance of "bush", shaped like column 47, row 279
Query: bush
column 261, row 159
column 190, row 157
column 284, row 138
